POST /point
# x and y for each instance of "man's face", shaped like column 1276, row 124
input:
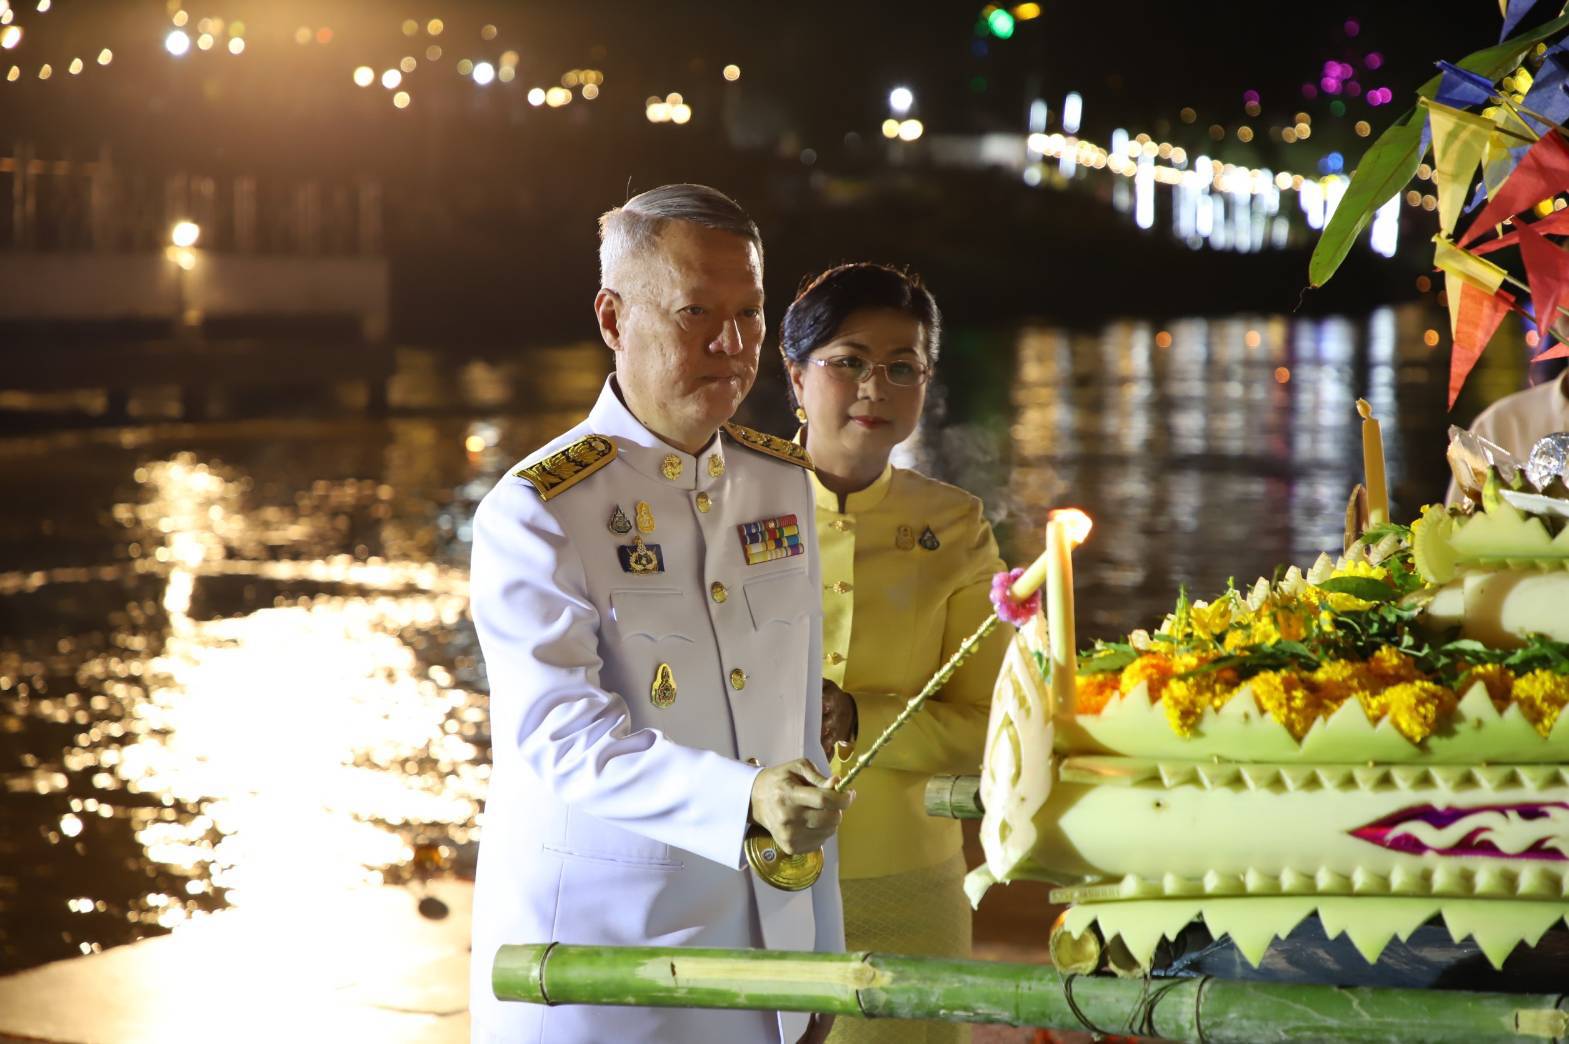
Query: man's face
column 690, row 326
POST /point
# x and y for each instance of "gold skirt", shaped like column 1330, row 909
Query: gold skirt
column 920, row 913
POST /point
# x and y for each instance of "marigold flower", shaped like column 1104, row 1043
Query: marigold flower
column 1094, row 691
column 1153, row 669
column 1186, row 698
column 1416, row 707
column 1283, row 696
column 1389, row 666
column 1541, row 695
column 1499, row 680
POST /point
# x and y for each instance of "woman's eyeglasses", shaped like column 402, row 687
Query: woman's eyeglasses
column 852, row 369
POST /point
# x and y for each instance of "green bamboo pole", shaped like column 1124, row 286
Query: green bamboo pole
column 954, row 797
column 1215, row 1011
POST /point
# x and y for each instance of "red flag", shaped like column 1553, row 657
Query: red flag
column 1543, row 172
column 1556, row 224
column 1557, row 351
column 1480, row 314
column 1547, row 270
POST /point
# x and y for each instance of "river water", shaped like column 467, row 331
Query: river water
column 235, row 661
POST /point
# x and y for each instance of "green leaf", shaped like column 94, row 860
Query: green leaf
column 1366, row 588
column 1392, row 160
column 1040, row 664
column 1106, row 658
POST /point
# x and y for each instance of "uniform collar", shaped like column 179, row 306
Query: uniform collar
column 647, row 452
column 861, row 500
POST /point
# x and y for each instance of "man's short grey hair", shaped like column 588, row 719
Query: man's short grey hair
column 634, row 227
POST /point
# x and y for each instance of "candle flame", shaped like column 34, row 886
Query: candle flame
column 1076, row 523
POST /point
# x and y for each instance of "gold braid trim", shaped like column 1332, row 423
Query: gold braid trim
column 564, row 469
column 782, row 449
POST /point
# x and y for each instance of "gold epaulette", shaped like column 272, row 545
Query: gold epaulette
column 566, row 468
column 783, row 449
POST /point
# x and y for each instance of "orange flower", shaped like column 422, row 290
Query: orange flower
column 1093, row 691
column 1152, row 668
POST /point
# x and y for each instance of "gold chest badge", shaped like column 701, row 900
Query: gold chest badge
column 663, row 692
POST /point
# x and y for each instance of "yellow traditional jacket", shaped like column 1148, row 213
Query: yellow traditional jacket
column 906, row 571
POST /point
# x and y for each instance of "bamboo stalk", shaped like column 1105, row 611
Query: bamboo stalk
column 954, row 797
column 1216, row 1011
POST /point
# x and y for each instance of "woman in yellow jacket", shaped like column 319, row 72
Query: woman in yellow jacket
column 907, row 564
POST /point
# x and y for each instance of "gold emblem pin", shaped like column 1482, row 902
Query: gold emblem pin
column 641, row 559
column 670, row 467
column 645, row 517
column 704, row 502
column 904, row 540
column 716, row 465
column 663, row 692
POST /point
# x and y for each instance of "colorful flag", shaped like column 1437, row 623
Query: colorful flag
column 1473, row 319
column 1547, row 95
column 1542, row 173
column 1547, row 270
column 1461, row 87
column 1459, row 139
column 1463, row 265
column 1513, row 11
column 1556, row 223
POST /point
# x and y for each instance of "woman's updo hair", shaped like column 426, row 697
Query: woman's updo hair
column 824, row 302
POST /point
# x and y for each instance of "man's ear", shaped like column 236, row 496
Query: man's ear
column 608, row 309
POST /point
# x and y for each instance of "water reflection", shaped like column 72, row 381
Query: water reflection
column 1211, row 448
column 234, row 661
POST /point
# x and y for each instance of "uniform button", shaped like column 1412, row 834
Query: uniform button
column 842, row 587
column 754, row 762
column 834, row 658
column 738, row 679
column 703, row 503
column 841, row 524
column 717, row 590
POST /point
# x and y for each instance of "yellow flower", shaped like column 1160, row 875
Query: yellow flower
column 1186, row 698
column 1389, row 666
column 1209, row 621
column 1541, row 695
column 1153, row 669
column 1283, row 696
column 1093, row 691
column 1337, row 681
column 1417, row 706
column 1499, row 680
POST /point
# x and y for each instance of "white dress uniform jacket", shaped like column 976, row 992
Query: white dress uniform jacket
column 631, row 711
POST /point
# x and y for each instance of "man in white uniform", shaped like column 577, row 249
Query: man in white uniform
column 647, row 595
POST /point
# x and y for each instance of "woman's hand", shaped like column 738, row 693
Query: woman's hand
column 839, row 718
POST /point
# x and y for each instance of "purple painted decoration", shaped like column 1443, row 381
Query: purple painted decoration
column 1525, row 830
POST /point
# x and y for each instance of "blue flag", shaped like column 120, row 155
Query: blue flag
column 1460, row 87
column 1547, row 94
column 1518, row 9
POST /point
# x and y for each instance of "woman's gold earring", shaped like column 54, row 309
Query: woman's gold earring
column 800, row 414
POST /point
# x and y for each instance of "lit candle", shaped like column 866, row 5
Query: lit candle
column 1373, row 466
column 1065, row 530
